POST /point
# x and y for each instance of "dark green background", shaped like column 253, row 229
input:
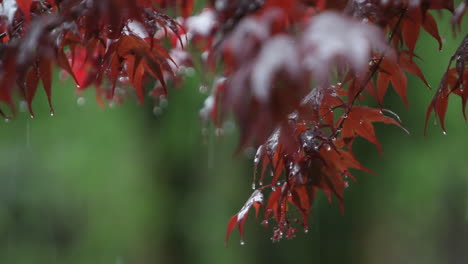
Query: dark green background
column 121, row 185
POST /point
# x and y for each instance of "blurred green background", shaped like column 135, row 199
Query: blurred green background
column 122, row 185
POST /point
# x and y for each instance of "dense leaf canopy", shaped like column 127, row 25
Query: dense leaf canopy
column 292, row 73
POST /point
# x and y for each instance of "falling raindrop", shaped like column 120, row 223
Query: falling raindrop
column 163, row 101
column 23, row 106
column 203, row 89
column 157, row 111
column 189, row 71
column 219, row 131
column 81, row 100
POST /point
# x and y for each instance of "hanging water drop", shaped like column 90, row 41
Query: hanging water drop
column 435, row 122
column 345, row 115
column 52, row 113
column 328, row 148
column 306, row 229
column 444, row 133
column 242, row 243
column 253, row 186
column 6, row 119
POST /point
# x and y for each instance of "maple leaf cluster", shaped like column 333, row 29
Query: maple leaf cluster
column 291, row 72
